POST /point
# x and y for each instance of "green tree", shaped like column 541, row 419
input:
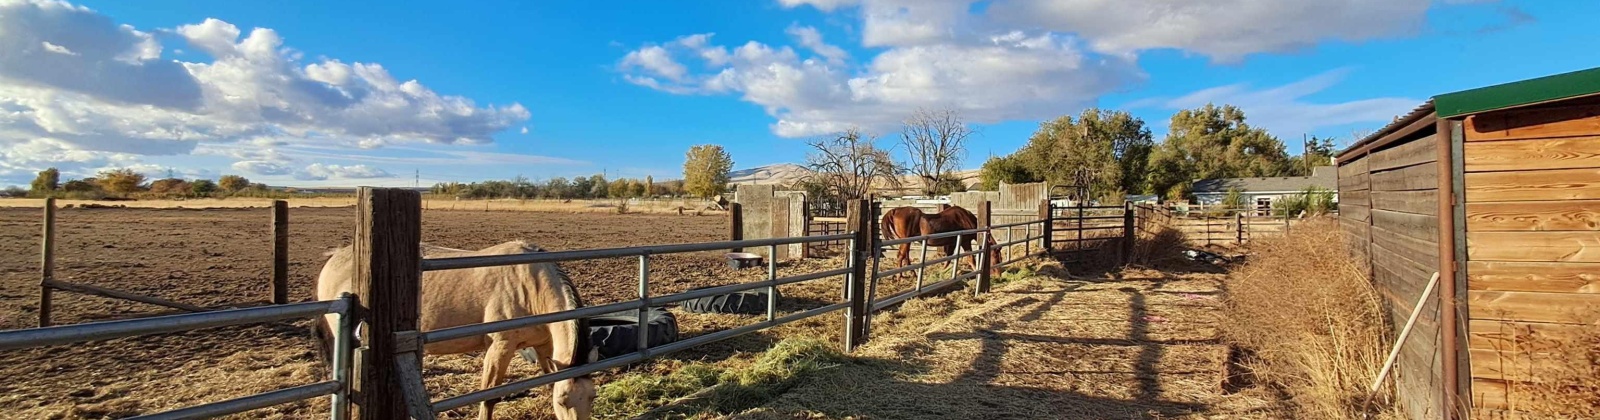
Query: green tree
column 1234, row 199
column 45, row 183
column 705, row 170
column 233, row 183
column 1008, row 169
column 202, row 188
column 120, row 181
column 1212, row 142
column 79, row 185
column 650, row 189
column 1318, row 152
column 598, row 187
column 617, row 188
column 1112, row 146
column 637, row 189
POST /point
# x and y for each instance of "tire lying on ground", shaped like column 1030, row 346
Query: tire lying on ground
column 750, row 302
column 617, row 333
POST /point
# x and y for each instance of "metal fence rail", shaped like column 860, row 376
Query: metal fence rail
column 93, row 331
column 641, row 304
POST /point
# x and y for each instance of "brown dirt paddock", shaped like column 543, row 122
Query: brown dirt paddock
column 220, row 257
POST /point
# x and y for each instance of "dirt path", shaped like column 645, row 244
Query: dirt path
column 1136, row 344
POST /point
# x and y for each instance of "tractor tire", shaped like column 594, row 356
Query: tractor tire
column 617, row 333
column 749, row 302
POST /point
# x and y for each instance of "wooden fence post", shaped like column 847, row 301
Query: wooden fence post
column 1049, row 225
column 858, row 218
column 47, row 260
column 388, row 289
column 985, row 263
column 1128, row 235
column 1238, row 223
column 736, row 224
column 280, row 252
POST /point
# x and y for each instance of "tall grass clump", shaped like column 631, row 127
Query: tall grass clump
column 1310, row 321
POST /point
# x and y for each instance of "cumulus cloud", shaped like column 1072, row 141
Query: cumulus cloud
column 318, row 172
column 997, row 60
column 261, row 167
column 1002, row 77
column 1285, row 110
column 73, row 78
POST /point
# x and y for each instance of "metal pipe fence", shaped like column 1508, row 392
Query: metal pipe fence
column 642, row 304
column 337, row 388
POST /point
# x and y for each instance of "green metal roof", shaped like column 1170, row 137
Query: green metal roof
column 1526, row 92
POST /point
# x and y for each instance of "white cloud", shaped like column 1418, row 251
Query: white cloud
column 74, row 78
column 1284, row 110
column 810, row 38
column 524, row 129
column 57, row 48
column 1005, row 77
column 318, row 172
column 260, row 167
column 824, row 5
column 1226, row 30
column 999, row 60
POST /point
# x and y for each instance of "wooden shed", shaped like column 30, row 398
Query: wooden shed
column 1498, row 190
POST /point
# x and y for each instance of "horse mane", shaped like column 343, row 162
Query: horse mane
column 581, row 347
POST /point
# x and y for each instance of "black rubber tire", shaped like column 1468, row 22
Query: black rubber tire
column 617, row 333
column 749, row 302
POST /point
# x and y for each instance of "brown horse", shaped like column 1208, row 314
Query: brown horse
column 485, row 294
column 906, row 222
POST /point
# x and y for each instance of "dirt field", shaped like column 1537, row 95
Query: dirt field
column 219, row 257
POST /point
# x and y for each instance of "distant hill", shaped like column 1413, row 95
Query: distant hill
column 788, row 173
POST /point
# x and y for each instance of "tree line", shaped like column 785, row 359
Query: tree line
column 589, row 187
column 128, row 183
column 1116, row 154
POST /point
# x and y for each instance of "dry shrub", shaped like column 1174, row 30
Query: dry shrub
column 1158, row 246
column 1313, row 322
column 1568, row 369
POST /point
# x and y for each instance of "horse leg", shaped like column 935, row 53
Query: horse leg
column 495, row 361
column 904, row 257
column 949, row 250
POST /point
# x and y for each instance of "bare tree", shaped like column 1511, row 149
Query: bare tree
column 850, row 164
column 936, row 142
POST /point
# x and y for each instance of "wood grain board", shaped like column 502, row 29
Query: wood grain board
column 1521, row 155
column 1504, row 335
column 1418, row 226
column 1556, row 308
column 1408, row 153
column 1534, row 246
column 1416, row 249
column 1547, row 277
column 1537, row 185
column 1534, row 215
column 1424, row 202
column 1533, row 123
column 1418, row 177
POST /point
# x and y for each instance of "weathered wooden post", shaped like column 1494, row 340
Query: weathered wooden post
column 858, row 219
column 1128, row 234
column 985, row 220
column 736, row 224
column 1238, row 223
column 1049, row 226
column 388, row 289
column 47, row 260
column 280, row 252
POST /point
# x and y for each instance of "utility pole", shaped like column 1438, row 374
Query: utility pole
column 416, row 182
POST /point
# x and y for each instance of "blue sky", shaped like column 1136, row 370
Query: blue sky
column 374, row 93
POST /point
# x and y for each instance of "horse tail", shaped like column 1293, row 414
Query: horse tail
column 322, row 336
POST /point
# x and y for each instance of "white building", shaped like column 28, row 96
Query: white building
column 1261, row 192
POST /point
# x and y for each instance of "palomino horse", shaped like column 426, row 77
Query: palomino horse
column 906, row 222
column 476, row 295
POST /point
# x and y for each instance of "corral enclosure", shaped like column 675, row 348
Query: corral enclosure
column 219, row 257
column 1494, row 189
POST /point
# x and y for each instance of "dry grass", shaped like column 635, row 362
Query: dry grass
column 1567, row 369
column 661, row 206
column 1313, row 323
